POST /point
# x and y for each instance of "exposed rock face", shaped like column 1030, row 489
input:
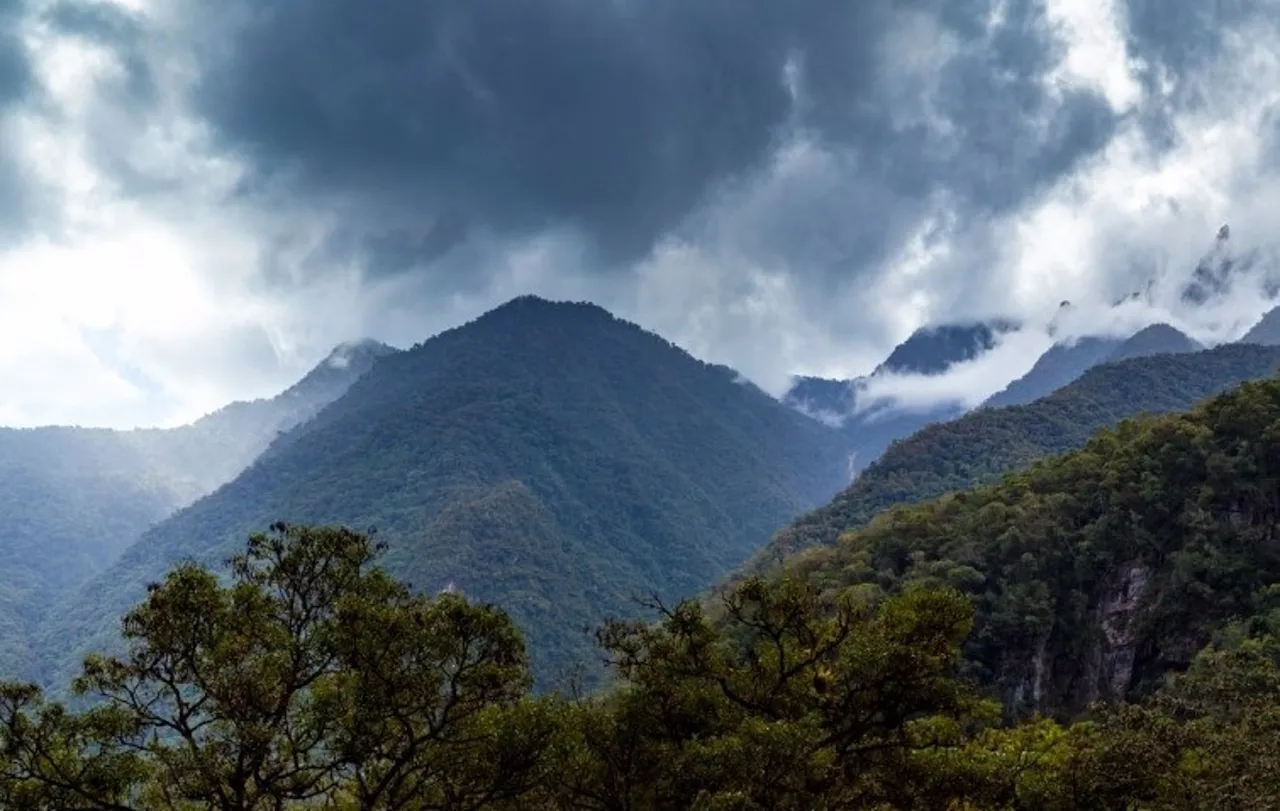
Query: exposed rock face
column 1104, row 670
column 1119, row 644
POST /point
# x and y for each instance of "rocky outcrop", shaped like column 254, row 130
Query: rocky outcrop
column 1118, row 650
column 1053, row 679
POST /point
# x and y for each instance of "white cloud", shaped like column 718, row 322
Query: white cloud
column 1096, row 55
column 967, row 384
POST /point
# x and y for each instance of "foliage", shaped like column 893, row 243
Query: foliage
column 792, row 704
column 310, row 679
column 986, row 444
column 1094, row 573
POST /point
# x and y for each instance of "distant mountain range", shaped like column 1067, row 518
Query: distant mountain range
column 72, row 499
column 870, row 425
column 990, row 442
column 1062, row 364
column 547, row 457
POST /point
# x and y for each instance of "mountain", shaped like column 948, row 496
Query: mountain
column 867, row 432
column 933, row 350
column 547, row 457
column 1067, row 361
column 1095, row 573
column 986, row 444
column 1266, row 331
column 71, row 499
column 1060, row 365
column 1156, row 339
column 870, row 427
column 831, row 401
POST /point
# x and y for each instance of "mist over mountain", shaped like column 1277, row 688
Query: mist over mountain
column 934, row 350
column 547, row 456
column 870, row 419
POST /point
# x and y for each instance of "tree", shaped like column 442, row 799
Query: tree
column 789, row 703
column 310, row 678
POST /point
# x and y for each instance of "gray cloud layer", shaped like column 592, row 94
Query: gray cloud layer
column 619, row 119
column 16, row 86
column 783, row 186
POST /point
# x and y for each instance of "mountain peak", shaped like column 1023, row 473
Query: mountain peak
column 529, row 305
column 347, row 352
column 546, row 456
column 933, row 350
column 1157, row 339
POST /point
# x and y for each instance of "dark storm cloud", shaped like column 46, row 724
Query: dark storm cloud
column 618, row 118
column 15, row 70
column 1173, row 43
column 16, row 85
column 521, row 114
column 1183, row 37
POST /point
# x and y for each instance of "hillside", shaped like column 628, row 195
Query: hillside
column 1266, row 331
column 547, row 457
column 1065, row 362
column 71, row 499
column 1094, row 573
column 1060, row 365
column 985, row 444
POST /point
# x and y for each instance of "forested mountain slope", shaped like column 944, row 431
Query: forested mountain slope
column 71, row 499
column 985, row 444
column 1094, row 573
column 548, row 457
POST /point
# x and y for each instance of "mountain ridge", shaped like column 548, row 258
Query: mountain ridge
column 547, row 456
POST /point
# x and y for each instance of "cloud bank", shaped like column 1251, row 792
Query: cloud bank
column 198, row 201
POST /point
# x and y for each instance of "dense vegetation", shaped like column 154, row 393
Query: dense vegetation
column 313, row 680
column 1094, row 573
column 983, row 445
column 547, row 457
column 72, row 499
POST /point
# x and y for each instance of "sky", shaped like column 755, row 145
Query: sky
column 199, row 200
